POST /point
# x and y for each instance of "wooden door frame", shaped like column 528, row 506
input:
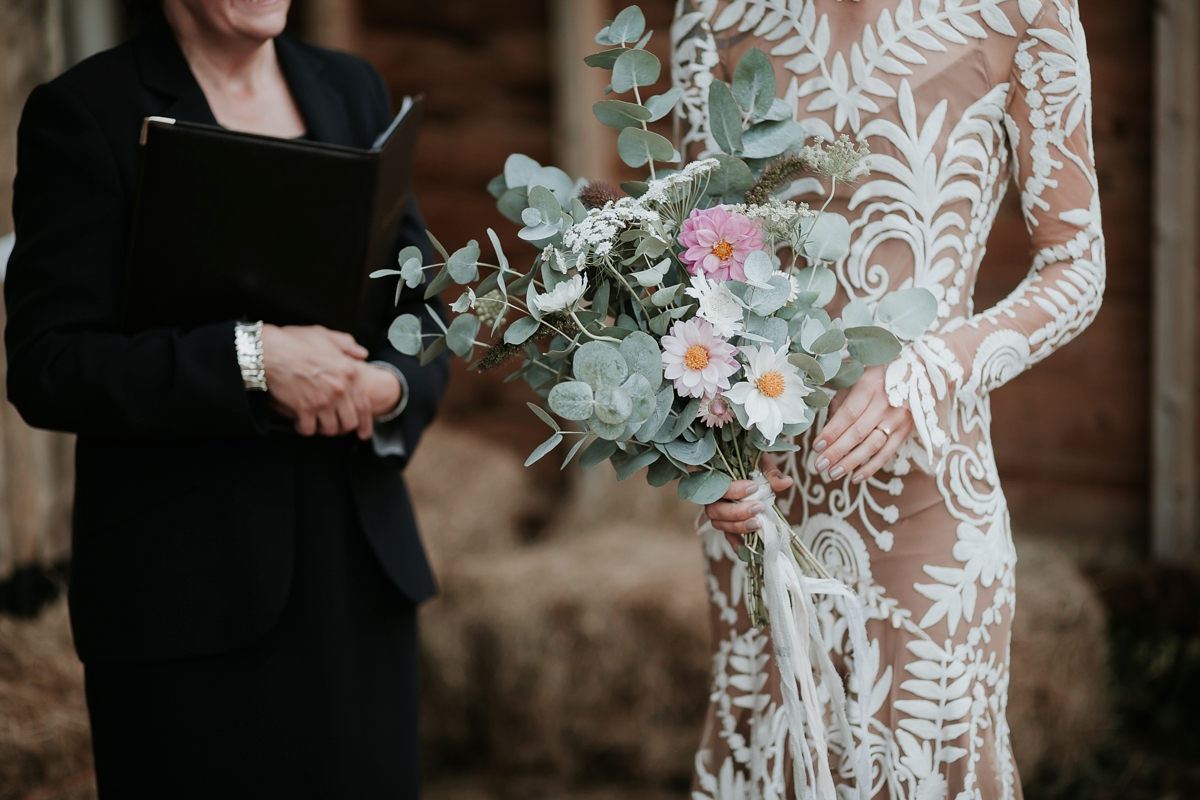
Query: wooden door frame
column 1174, row 473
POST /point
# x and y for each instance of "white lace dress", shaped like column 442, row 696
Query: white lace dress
column 955, row 97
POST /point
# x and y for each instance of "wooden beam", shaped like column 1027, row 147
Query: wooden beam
column 582, row 146
column 1174, row 475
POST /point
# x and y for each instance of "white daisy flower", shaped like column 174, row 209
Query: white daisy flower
column 719, row 307
column 563, row 297
column 773, row 393
column 793, row 280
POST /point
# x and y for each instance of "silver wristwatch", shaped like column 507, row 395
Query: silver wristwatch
column 247, row 336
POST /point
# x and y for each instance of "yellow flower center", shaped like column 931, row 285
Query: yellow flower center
column 771, row 384
column 696, row 357
column 723, row 250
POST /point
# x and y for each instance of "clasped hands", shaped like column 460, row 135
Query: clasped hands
column 320, row 379
column 862, row 433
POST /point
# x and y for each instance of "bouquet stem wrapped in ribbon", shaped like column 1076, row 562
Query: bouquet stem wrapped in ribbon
column 679, row 325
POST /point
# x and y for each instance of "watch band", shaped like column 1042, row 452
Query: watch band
column 247, row 337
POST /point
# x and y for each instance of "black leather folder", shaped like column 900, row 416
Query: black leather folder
column 231, row 225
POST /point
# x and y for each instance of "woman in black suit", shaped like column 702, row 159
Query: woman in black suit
column 244, row 601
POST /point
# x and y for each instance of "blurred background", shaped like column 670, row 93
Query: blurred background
column 568, row 658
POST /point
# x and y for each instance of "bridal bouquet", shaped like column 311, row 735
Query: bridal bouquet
column 677, row 325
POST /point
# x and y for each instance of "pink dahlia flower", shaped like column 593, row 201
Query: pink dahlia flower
column 715, row 411
column 696, row 359
column 718, row 243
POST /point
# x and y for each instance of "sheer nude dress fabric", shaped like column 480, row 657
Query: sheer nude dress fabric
column 957, row 98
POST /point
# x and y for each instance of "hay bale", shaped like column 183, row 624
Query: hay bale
column 578, row 658
column 1058, row 706
column 597, row 498
column 472, row 497
column 44, row 740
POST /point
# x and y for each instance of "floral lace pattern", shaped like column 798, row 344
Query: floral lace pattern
column 955, row 97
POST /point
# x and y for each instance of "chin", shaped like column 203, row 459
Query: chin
column 260, row 19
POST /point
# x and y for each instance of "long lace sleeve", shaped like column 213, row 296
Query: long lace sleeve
column 1048, row 122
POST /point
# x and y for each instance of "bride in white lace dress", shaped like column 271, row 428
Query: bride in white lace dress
column 899, row 493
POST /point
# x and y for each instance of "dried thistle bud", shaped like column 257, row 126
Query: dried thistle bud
column 598, row 194
column 497, row 355
column 775, row 177
column 558, row 321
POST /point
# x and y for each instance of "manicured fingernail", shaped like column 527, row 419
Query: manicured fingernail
column 752, row 525
column 820, row 445
column 751, row 489
column 859, row 479
column 757, row 508
column 837, row 472
column 822, row 464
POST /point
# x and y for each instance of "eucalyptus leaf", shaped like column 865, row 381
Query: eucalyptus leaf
column 405, row 334
column 628, row 26
column 819, row 279
column 635, row 68
column 754, row 82
column 832, row 341
column 662, row 410
column 543, row 416
column 638, row 147
column 544, row 200
column 725, row 118
column 512, row 203
column 663, row 472
column 828, row 237
column 411, row 273
column 599, row 366
column 599, row 451
column 758, row 267
column 612, row 432
column 779, row 110
column 770, row 139
column 460, row 337
column 907, row 313
column 732, row 178
column 571, row 454
column 600, row 298
column 518, row 169
column 644, row 401
column 662, row 104
column 435, row 349
column 637, row 462
column 521, row 329
column 848, row 375
column 497, row 186
column 686, row 418
column 817, row 399
column 857, row 314
column 544, row 448
column 464, row 264
column 605, row 58
column 776, row 330
column 695, row 453
column 830, row 363
column 809, row 366
column 641, row 354
column 703, row 488
column 811, row 330
column 440, row 282
column 572, row 400
column 872, row 346
column 619, row 114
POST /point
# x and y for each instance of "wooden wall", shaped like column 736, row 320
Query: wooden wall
column 1071, row 435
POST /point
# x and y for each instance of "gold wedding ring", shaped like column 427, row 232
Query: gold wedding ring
column 885, row 430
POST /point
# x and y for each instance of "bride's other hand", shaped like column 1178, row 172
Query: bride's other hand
column 734, row 514
column 863, row 431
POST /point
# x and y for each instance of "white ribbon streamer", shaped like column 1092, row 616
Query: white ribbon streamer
column 796, row 635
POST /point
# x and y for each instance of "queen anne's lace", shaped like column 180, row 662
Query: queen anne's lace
column 927, row 543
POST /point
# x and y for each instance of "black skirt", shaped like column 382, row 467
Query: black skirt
column 325, row 705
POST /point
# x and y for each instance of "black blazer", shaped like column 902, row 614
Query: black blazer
column 183, row 524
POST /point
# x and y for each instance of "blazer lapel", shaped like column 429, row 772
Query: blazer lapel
column 323, row 109
column 165, row 70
